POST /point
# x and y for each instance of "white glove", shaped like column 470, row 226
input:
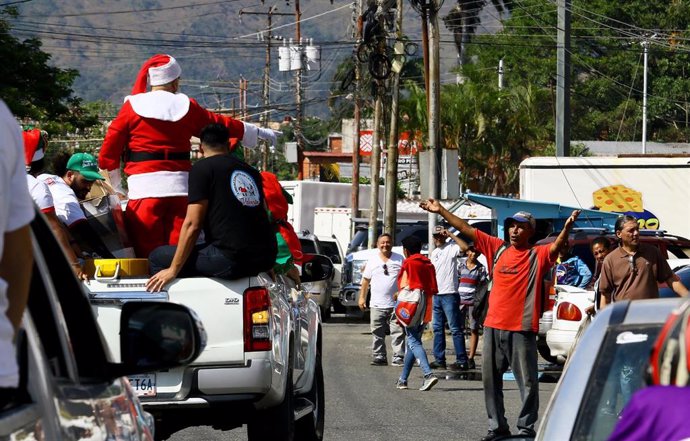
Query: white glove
column 269, row 135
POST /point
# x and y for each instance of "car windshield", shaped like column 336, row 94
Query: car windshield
column 617, row 373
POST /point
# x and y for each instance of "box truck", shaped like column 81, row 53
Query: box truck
column 654, row 189
column 307, row 195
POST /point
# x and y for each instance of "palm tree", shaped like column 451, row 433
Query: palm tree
column 463, row 19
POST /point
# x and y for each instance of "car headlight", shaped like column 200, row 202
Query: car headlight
column 357, row 268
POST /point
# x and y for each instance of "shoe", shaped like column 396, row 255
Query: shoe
column 397, row 362
column 401, row 384
column 429, row 382
column 379, row 362
column 437, row 365
column 495, row 434
column 457, row 366
column 471, row 364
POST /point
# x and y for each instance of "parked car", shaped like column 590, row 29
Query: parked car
column 607, row 366
column 321, row 291
column 71, row 388
column 565, row 307
column 330, row 247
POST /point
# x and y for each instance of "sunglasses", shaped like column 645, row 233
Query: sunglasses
column 633, row 267
column 385, row 269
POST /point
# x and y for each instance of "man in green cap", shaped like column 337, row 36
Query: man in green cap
column 72, row 181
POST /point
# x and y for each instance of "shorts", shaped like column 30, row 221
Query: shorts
column 467, row 309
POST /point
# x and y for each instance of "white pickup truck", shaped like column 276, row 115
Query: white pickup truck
column 262, row 361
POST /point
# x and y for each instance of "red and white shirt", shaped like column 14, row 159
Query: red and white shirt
column 161, row 122
column 67, row 207
column 41, row 195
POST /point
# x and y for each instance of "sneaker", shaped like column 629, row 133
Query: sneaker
column 379, row 362
column 429, row 382
column 495, row 434
column 397, row 361
column 401, row 384
column 437, row 365
column 471, row 364
column 457, row 366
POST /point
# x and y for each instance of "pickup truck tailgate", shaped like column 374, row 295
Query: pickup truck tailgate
column 218, row 303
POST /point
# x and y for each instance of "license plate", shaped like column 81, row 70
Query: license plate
column 143, row 385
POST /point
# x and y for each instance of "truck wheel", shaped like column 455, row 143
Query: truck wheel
column 276, row 423
column 310, row 427
column 338, row 307
column 545, row 352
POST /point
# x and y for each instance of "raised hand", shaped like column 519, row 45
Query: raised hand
column 431, row 205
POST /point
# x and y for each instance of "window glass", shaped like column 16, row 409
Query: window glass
column 330, row 250
column 676, row 252
column 308, row 246
column 616, row 374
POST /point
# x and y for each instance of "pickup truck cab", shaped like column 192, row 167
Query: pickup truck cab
column 70, row 386
column 262, row 362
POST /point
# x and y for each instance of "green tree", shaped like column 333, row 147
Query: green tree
column 35, row 90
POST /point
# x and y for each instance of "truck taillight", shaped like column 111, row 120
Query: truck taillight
column 568, row 311
column 257, row 305
column 551, row 297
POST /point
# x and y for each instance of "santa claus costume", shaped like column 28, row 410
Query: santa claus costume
column 151, row 135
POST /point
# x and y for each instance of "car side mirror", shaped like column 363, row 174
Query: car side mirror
column 158, row 335
column 316, row 267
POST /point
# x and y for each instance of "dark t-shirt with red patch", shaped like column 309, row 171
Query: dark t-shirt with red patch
column 236, row 221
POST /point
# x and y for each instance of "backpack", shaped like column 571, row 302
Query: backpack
column 410, row 307
column 481, row 295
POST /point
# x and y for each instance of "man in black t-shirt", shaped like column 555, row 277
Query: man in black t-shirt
column 226, row 200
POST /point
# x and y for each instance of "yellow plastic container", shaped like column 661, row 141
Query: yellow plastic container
column 116, row 268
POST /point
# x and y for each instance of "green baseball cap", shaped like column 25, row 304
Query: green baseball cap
column 86, row 164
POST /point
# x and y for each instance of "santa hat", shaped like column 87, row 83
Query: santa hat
column 158, row 70
column 34, row 146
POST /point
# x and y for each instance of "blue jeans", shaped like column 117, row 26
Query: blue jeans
column 447, row 308
column 205, row 260
column 415, row 350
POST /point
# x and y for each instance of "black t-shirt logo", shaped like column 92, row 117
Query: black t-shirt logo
column 244, row 188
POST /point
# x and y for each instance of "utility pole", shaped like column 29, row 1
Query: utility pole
column 298, row 97
column 645, row 51
column 563, row 79
column 375, row 166
column 391, row 198
column 434, row 96
column 358, row 116
column 267, row 72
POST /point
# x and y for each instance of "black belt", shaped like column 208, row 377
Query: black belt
column 157, row 156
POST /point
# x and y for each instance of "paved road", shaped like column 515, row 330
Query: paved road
column 362, row 402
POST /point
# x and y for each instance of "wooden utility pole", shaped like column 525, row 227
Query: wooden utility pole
column 563, row 79
column 358, row 123
column 434, row 96
column 391, row 199
column 298, row 97
column 375, row 172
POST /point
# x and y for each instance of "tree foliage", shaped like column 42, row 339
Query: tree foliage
column 35, row 90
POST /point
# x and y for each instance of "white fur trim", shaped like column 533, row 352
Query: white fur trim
column 251, row 135
column 164, row 74
column 158, row 184
column 159, row 104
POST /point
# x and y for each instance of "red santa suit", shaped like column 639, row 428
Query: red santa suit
column 151, row 134
column 278, row 206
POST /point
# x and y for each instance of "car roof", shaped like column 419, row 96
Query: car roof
column 587, row 234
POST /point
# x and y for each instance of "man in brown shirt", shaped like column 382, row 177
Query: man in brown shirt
column 633, row 270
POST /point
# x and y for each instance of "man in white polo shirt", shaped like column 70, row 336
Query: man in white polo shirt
column 381, row 273
column 446, row 308
column 16, row 211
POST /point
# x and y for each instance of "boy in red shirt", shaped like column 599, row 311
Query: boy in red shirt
column 417, row 272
